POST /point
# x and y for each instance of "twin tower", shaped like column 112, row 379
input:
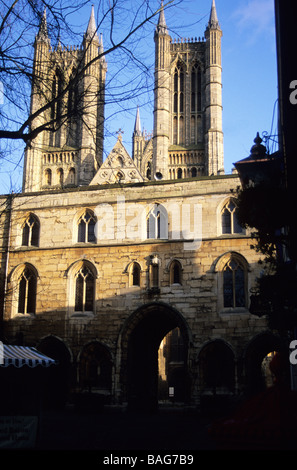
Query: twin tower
column 69, row 88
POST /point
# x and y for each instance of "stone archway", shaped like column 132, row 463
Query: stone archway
column 58, row 386
column 95, row 368
column 258, row 348
column 140, row 340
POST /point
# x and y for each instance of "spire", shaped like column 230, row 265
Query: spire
column 213, row 18
column 91, row 32
column 161, row 26
column 137, row 127
column 42, row 33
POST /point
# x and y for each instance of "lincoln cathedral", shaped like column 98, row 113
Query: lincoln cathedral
column 132, row 271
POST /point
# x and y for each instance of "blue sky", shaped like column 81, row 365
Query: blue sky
column 249, row 77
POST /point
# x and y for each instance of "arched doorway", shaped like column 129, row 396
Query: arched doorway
column 257, row 356
column 217, row 368
column 58, row 385
column 140, row 341
column 95, row 369
column 172, row 368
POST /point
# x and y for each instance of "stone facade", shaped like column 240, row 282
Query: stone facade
column 99, row 275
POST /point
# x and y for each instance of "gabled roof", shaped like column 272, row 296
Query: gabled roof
column 118, row 167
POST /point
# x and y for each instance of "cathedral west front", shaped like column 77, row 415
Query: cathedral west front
column 133, row 271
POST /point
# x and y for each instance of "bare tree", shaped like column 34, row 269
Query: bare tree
column 123, row 22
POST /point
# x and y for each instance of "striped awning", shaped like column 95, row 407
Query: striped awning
column 19, row 356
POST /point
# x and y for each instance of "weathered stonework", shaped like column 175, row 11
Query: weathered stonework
column 98, row 275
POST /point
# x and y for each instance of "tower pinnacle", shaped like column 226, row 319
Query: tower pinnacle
column 213, row 18
column 42, row 33
column 137, row 127
column 161, row 26
column 91, row 32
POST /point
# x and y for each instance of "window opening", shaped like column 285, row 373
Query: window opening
column 84, row 291
column 27, row 292
column 234, row 285
column 86, row 228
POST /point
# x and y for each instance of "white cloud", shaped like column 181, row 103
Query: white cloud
column 255, row 17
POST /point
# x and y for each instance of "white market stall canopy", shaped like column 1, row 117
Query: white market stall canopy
column 19, row 356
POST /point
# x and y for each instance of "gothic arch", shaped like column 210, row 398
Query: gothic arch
column 222, row 260
column 216, row 362
column 81, row 288
column 59, row 378
column 252, row 357
column 178, row 60
column 220, row 208
column 76, row 221
column 29, row 230
column 14, row 280
column 233, row 283
column 138, row 345
column 95, row 364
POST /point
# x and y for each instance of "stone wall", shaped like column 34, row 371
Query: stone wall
column 198, row 299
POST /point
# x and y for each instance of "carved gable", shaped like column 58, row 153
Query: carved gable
column 118, row 167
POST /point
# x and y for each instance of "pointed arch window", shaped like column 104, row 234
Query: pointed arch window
column 196, row 89
column 234, row 284
column 157, row 222
column 30, row 231
column 57, row 87
column 178, row 103
column 84, row 290
column 27, row 292
column 86, row 228
column 72, row 107
column 229, row 219
column 134, row 275
column 175, row 272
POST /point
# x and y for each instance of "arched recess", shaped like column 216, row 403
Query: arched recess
column 257, row 349
column 59, row 377
column 95, row 368
column 23, row 285
column 217, row 368
column 139, row 343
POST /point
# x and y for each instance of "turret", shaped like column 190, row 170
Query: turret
column 138, row 141
column 161, row 99
column 93, row 95
column 39, row 98
column 213, row 96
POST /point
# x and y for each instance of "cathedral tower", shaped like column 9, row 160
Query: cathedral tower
column 188, row 137
column 213, row 94
column 161, row 99
column 69, row 149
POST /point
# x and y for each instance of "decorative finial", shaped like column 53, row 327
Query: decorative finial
column 119, row 133
column 258, row 150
